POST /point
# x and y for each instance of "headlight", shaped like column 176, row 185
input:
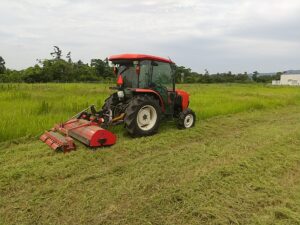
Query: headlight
column 120, row 94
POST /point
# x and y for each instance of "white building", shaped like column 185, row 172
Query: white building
column 291, row 77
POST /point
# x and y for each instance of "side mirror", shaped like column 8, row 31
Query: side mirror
column 115, row 70
column 138, row 70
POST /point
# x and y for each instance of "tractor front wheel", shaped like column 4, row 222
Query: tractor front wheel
column 142, row 116
column 187, row 119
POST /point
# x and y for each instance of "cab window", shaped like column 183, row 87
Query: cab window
column 144, row 78
column 162, row 74
column 129, row 76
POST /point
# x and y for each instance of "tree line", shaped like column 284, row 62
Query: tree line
column 59, row 69
column 186, row 75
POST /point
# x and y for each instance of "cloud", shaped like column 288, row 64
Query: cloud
column 217, row 35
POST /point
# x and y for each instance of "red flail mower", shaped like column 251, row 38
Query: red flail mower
column 145, row 93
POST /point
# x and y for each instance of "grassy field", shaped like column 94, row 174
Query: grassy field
column 29, row 109
column 239, row 165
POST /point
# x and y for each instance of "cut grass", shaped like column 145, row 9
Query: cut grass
column 239, row 165
column 236, row 169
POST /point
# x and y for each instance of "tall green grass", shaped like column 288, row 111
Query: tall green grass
column 222, row 99
column 29, row 109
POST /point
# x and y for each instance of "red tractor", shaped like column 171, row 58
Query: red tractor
column 145, row 93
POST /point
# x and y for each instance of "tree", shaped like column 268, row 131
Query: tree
column 99, row 65
column 278, row 76
column 57, row 70
column 69, row 57
column 206, row 72
column 242, row 78
column 80, row 63
column 106, row 61
column 182, row 70
column 57, row 53
column 2, row 65
column 101, row 68
column 83, row 72
column 254, row 76
column 33, row 74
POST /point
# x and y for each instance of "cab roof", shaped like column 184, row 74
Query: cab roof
column 138, row 57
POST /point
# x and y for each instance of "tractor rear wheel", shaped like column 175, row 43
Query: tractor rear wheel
column 142, row 116
column 187, row 119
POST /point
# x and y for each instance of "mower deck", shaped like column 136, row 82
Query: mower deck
column 89, row 133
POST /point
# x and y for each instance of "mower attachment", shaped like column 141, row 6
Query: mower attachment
column 89, row 133
column 86, row 128
column 57, row 141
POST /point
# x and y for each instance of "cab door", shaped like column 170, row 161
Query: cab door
column 162, row 82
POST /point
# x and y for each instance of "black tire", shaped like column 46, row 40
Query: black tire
column 132, row 124
column 187, row 119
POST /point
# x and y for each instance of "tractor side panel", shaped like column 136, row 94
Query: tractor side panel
column 185, row 98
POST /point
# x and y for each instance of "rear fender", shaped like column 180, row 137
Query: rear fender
column 151, row 92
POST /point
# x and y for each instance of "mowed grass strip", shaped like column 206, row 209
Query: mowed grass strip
column 29, row 109
column 234, row 169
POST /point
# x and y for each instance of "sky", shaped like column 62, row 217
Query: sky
column 217, row 35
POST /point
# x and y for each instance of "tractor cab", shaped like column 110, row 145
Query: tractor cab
column 143, row 73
